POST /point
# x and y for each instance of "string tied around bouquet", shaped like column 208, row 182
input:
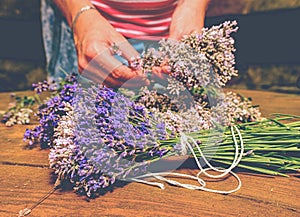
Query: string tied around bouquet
column 188, row 143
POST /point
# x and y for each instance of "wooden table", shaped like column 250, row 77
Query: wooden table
column 25, row 178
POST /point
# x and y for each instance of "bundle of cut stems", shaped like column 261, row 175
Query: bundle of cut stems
column 271, row 146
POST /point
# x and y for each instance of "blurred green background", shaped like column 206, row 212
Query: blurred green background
column 22, row 61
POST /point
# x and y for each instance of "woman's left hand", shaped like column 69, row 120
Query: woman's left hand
column 187, row 18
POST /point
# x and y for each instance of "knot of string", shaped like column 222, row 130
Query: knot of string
column 188, row 143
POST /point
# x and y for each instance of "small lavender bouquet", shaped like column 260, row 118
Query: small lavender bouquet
column 97, row 135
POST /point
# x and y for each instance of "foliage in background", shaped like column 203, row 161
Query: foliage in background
column 20, row 75
column 278, row 78
column 265, row 5
column 19, row 9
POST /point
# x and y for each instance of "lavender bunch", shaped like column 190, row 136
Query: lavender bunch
column 217, row 45
column 103, row 136
column 198, row 59
column 188, row 70
column 199, row 65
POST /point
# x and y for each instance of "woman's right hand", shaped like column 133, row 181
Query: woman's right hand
column 94, row 38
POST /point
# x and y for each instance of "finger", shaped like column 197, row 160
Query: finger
column 96, row 75
column 161, row 71
column 99, row 77
column 166, row 69
column 158, row 77
column 136, row 82
column 117, row 71
column 105, row 69
column 127, row 50
column 108, row 64
column 122, row 72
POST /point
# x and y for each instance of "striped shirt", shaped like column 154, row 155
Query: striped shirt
column 140, row 19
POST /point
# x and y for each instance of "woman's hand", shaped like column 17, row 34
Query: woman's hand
column 187, row 18
column 94, row 38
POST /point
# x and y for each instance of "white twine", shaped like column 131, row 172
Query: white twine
column 239, row 152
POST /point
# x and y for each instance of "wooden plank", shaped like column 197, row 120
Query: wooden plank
column 270, row 102
column 23, row 186
column 25, row 178
column 12, row 140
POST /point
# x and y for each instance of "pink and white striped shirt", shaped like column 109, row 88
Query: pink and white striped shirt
column 142, row 19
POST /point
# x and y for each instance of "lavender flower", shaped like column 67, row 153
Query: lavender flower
column 53, row 86
column 50, row 113
column 44, row 86
column 103, row 136
column 240, row 109
column 217, row 45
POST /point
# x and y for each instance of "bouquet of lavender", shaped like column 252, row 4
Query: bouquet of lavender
column 97, row 135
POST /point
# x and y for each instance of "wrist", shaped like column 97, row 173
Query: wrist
column 70, row 8
column 88, row 22
column 196, row 5
column 84, row 9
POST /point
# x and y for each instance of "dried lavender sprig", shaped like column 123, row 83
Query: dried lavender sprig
column 229, row 109
column 87, row 173
column 20, row 110
column 217, row 44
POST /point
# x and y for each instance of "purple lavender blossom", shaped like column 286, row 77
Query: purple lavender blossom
column 107, row 137
column 50, row 112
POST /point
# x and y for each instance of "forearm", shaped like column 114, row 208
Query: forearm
column 201, row 6
column 188, row 17
column 198, row 6
column 70, row 8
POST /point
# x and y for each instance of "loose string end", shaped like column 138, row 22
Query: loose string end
column 24, row 212
column 27, row 211
column 160, row 185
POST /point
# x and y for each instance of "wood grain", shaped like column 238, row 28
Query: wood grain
column 25, row 178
